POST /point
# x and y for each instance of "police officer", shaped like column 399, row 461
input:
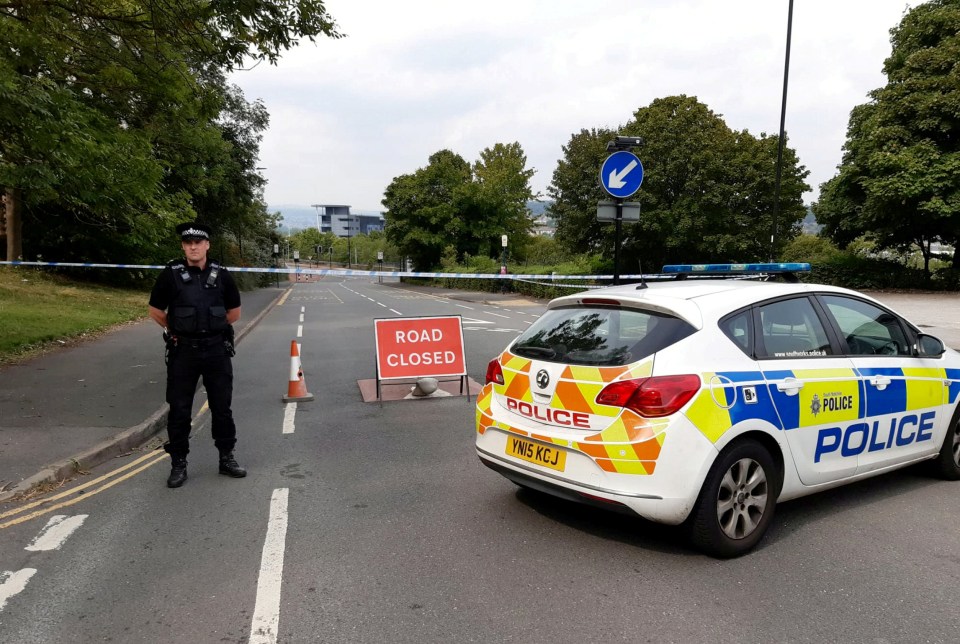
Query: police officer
column 196, row 301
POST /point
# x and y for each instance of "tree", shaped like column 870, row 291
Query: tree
column 503, row 179
column 707, row 194
column 899, row 179
column 424, row 208
column 101, row 100
column 575, row 191
column 451, row 203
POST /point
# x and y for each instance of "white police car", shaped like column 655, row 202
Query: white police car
column 705, row 401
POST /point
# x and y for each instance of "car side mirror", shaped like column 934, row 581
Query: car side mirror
column 928, row 346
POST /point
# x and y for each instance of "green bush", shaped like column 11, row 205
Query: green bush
column 810, row 248
column 860, row 273
column 858, row 268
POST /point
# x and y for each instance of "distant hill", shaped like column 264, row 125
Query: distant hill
column 810, row 225
column 537, row 208
column 295, row 217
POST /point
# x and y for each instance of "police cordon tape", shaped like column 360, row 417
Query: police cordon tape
column 344, row 272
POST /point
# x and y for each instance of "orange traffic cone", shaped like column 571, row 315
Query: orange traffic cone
column 297, row 388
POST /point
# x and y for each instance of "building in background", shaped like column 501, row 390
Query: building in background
column 337, row 219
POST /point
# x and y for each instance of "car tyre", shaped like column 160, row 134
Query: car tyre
column 947, row 464
column 736, row 502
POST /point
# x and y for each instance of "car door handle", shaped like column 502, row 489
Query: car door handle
column 790, row 386
column 880, row 382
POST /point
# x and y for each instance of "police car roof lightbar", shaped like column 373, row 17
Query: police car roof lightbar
column 736, row 269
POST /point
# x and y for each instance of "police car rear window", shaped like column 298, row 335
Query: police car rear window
column 599, row 336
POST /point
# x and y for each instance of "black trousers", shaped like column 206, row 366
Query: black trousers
column 189, row 361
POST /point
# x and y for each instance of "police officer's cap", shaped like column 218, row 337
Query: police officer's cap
column 193, row 230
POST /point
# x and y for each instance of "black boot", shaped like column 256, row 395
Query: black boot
column 178, row 472
column 229, row 466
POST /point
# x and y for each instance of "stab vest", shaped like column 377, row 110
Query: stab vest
column 197, row 309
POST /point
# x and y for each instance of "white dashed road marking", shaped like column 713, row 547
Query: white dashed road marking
column 396, row 311
column 266, row 612
column 474, row 321
column 498, row 315
column 12, row 583
column 58, row 528
column 289, row 415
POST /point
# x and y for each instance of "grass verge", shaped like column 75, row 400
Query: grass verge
column 39, row 310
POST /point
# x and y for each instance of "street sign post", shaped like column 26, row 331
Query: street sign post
column 620, row 175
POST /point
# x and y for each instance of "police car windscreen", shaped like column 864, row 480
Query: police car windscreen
column 599, row 336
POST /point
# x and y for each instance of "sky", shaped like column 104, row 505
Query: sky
column 418, row 76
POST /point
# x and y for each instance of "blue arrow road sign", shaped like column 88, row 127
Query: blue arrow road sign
column 621, row 174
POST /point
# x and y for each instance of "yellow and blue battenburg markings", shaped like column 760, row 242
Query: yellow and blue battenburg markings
column 716, row 409
column 842, row 396
column 953, row 375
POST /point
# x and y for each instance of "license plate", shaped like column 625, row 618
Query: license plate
column 550, row 457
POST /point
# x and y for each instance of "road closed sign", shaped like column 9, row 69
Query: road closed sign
column 419, row 347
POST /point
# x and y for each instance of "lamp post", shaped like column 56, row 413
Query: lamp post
column 783, row 117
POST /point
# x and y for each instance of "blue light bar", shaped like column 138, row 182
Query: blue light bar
column 736, row 269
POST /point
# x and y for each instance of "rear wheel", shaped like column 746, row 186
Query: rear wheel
column 736, row 502
column 947, row 464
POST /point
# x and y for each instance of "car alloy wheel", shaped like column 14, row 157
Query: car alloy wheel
column 742, row 498
column 737, row 500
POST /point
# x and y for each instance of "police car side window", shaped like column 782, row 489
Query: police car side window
column 868, row 329
column 792, row 329
column 737, row 328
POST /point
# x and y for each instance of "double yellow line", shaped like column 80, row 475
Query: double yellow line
column 82, row 491
column 85, row 490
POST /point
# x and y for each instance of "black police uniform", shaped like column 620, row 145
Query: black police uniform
column 196, row 303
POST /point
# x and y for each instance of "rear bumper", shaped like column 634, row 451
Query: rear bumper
column 669, row 510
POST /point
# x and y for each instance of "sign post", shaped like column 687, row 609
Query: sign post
column 620, row 175
column 503, row 263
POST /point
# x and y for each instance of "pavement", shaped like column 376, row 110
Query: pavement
column 72, row 409
column 75, row 408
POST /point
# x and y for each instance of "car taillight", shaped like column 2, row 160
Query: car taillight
column 494, row 372
column 650, row 397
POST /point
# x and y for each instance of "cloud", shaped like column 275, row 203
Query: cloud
column 347, row 116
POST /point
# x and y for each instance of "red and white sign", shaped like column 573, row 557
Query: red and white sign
column 419, row 347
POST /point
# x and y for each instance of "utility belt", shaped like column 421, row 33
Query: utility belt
column 225, row 338
column 200, row 342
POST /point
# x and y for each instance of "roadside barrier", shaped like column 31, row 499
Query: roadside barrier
column 297, row 387
column 337, row 272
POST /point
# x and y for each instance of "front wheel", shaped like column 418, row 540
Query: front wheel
column 736, row 501
column 947, row 465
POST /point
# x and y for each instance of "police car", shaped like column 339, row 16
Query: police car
column 703, row 402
